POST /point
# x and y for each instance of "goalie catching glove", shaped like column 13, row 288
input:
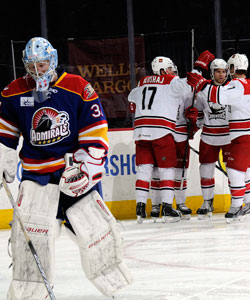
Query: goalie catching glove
column 83, row 171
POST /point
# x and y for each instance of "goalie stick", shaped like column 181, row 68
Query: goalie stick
column 29, row 242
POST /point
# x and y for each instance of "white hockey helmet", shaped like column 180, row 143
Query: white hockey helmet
column 218, row 63
column 37, row 50
column 239, row 61
column 175, row 70
column 161, row 63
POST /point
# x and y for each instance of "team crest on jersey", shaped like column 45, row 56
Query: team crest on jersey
column 49, row 126
column 217, row 111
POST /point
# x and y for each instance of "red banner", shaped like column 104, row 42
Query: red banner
column 105, row 64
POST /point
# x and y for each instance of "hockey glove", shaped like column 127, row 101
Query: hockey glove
column 132, row 107
column 196, row 81
column 83, row 171
column 8, row 163
column 203, row 61
column 191, row 113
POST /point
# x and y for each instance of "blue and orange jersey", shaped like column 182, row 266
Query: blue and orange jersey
column 66, row 117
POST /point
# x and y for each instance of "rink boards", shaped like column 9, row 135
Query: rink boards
column 119, row 181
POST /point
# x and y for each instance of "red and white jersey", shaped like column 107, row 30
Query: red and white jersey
column 213, row 120
column 157, row 100
column 237, row 95
column 181, row 130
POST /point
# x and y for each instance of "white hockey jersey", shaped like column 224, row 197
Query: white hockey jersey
column 181, row 131
column 237, row 95
column 157, row 99
column 214, row 120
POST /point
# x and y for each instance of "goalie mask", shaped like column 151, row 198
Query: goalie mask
column 162, row 63
column 239, row 62
column 40, row 61
column 216, row 64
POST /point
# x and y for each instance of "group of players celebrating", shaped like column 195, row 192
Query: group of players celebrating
column 168, row 111
column 64, row 147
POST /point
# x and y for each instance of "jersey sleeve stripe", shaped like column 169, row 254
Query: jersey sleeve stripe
column 5, row 124
column 8, row 134
column 94, row 140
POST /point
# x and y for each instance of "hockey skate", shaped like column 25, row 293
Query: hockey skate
column 155, row 212
column 246, row 209
column 234, row 214
column 169, row 214
column 206, row 209
column 185, row 211
column 140, row 212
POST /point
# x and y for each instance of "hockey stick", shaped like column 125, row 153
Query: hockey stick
column 187, row 145
column 216, row 166
column 28, row 240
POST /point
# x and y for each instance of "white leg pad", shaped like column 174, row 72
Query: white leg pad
column 37, row 208
column 100, row 244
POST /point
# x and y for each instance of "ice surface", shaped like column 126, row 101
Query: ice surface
column 192, row 259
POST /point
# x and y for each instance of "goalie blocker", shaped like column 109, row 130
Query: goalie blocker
column 100, row 244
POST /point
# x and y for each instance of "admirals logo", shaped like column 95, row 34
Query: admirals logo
column 49, row 126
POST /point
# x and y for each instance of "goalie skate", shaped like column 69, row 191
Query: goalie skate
column 169, row 215
column 185, row 211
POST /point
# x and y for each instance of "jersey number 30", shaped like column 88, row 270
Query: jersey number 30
column 152, row 95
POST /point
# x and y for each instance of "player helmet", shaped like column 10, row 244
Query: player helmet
column 37, row 50
column 161, row 63
column 218, row 63
column 175, row 70
column 239, row 61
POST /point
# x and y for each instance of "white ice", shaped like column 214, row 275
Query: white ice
column 195, row 259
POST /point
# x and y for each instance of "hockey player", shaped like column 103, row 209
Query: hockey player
column 237, row 95
column 214, row 135
column 185, row 129
column 62, row 123
column 156, row 101
column 180, row 181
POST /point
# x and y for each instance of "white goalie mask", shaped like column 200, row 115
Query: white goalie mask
column 161, row 63
column 218, row 63
column 239, row 61
column 39, row 50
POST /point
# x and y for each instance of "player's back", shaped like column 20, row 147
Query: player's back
column 156, row 107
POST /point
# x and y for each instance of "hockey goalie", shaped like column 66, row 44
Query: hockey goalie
column 64, row 148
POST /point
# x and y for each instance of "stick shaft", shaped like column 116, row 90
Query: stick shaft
column 217, row 167
column 189, row 126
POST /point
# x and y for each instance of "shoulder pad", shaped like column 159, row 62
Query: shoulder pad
column 76, row 84
column 19, row 86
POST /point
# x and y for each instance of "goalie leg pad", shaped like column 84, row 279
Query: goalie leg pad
column 100, row 244
column 37, row 208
